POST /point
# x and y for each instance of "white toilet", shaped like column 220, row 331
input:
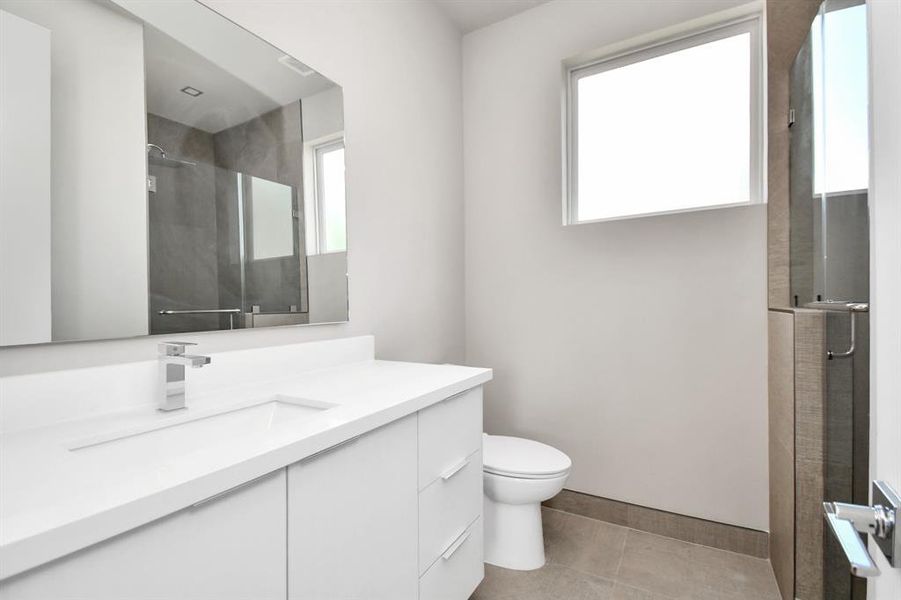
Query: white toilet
column 518, row 475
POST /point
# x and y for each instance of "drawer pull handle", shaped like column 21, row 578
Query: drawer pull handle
column 230, row 490
column 346, row 442
column 454, row 469
column 456, row 544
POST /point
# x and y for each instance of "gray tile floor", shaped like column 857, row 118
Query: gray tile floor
column 594, row 560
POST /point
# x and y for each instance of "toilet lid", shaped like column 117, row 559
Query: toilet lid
column 518, row 457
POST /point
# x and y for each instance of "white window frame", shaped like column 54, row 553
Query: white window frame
column 313, row 151
column 746, row 19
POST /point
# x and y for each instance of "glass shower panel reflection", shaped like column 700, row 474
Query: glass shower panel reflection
column 224, row 248
column 271, row 219
column 262, row 270
column 182, row 230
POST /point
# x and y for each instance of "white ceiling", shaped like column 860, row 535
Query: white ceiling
column 240, row 75
column 470, row 15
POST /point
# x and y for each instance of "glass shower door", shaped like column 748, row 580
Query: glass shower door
column 830, row 253
column 261, row 260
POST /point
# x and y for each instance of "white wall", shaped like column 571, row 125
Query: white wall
column 399, row 65
column 99, row 198
column 328, row 287
column 322, row 114
column 24, row 181
column 638, row 347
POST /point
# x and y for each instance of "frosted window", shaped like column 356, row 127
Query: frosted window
column 667, row 133
column 330, row 179
column 841, row 141
column 272, row 219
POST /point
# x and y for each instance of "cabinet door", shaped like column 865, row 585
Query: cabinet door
column 352, row 519
column 229, row 548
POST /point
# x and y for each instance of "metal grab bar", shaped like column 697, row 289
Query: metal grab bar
column 852, row 308
column 199, row 311
column 852, row 347
column 839, row 306
column 231, row 312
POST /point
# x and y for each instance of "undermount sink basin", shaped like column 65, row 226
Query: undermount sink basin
column 187, row 431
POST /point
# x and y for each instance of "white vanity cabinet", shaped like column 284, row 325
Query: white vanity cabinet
column 231, row 547
column 352, row 529
column 450, row 497
column 394, row 514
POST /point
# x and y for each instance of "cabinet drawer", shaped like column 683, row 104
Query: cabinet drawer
column 449, row 432
column 447, row 506
column 457, row 573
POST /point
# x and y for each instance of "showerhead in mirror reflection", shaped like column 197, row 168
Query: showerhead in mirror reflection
column 220, row 159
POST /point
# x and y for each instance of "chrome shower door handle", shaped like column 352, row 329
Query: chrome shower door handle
column 848, row 521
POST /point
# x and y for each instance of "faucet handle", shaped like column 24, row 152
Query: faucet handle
column 174, row 348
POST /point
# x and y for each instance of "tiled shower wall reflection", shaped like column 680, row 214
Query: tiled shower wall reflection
column 184, row 273
column 269, row 147
column 195, row 262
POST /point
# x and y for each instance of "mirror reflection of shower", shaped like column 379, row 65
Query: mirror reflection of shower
column 156, row 155
column 225, row 244
column 245, row 192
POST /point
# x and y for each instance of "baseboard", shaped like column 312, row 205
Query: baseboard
column 681, row 527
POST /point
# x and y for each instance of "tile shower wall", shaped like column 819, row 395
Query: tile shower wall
column 810, row 451
column 782, row 449
column 270, row 147
column 847, row 441
column 183, row 229
column 808, row 406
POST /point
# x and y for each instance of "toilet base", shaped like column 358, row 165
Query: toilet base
column 513, row 535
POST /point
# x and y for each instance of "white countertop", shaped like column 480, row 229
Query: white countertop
column 54, row 501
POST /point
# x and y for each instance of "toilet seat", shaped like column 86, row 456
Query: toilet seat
column 522, row 459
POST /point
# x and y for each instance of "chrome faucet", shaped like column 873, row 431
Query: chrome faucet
column 172, row 373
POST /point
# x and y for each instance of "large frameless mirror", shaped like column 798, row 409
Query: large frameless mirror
column 163, row 171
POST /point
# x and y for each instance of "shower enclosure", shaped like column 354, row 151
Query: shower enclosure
column 830, row 257
column 226, row 224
